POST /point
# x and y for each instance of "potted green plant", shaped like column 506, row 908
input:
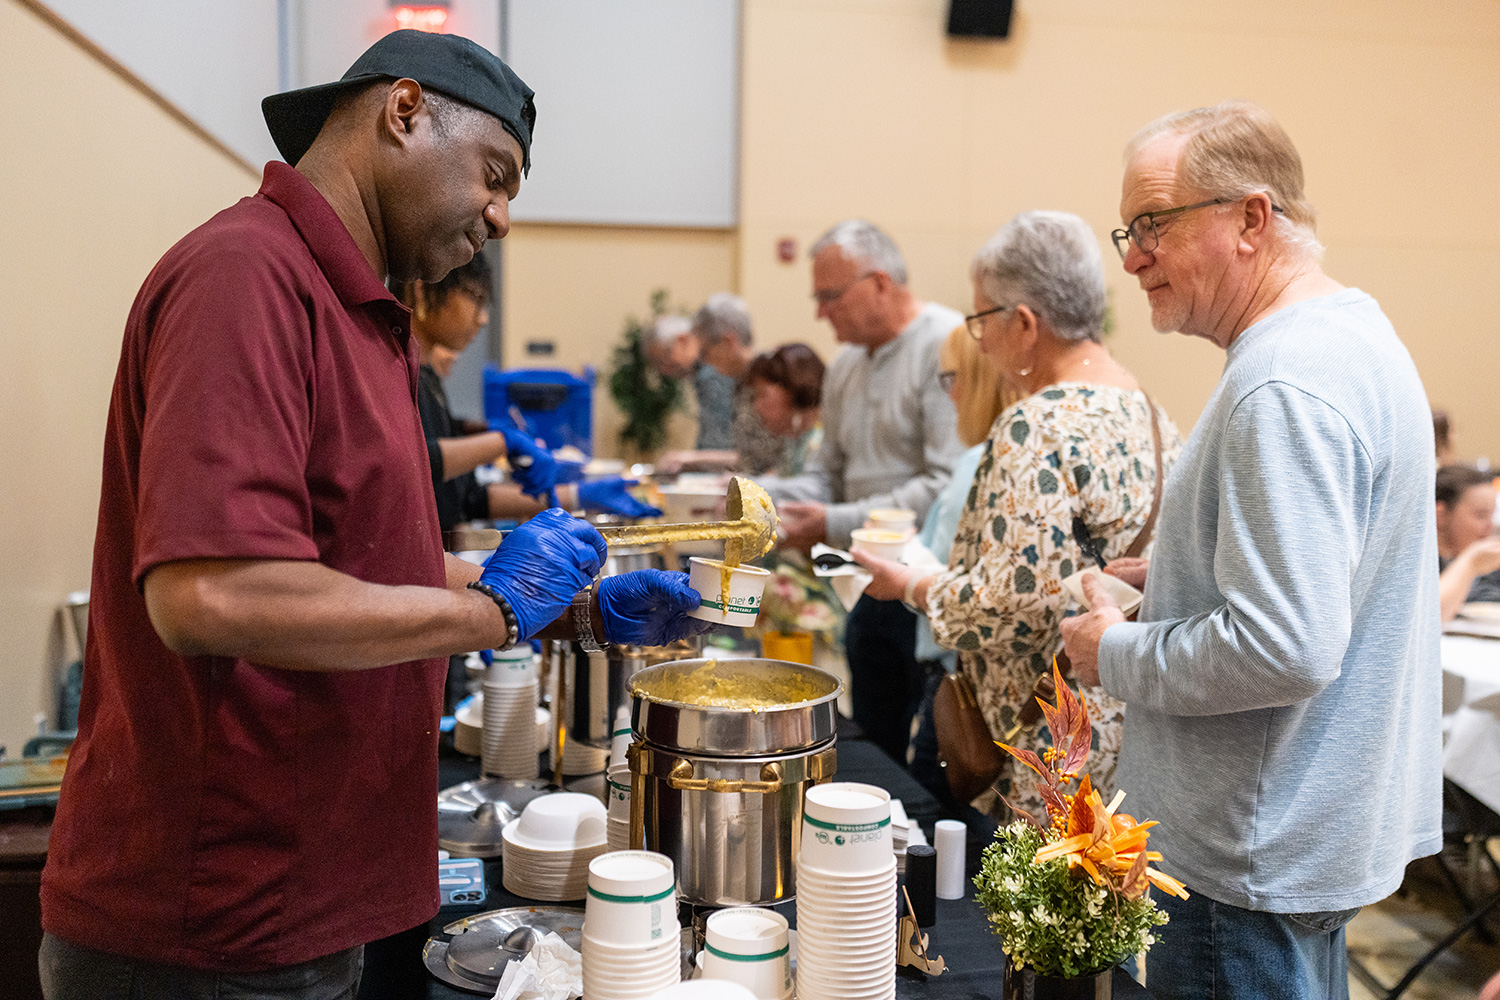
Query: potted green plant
column 646, row 397
column 1070, row 898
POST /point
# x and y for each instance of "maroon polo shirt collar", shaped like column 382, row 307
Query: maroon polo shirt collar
column 338, row 257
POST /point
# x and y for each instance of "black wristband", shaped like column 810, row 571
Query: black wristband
column 512, row 624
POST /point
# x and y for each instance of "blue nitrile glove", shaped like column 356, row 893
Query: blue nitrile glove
column 649, row 608
column 541, row 565
column 531, row 466
column 611, row 496
column 569, row 472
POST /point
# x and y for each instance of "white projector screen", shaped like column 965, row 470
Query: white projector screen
column 637, row 109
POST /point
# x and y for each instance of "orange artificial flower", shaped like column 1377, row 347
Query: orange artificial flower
column 1109, row 846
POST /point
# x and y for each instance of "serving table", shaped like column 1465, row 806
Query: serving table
column 961, row 935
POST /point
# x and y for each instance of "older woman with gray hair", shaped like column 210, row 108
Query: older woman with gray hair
column 1080, row 444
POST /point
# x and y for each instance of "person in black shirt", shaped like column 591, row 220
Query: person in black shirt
column 448, row 315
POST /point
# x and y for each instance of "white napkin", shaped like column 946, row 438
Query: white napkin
column 848, row 581
column 551, row 971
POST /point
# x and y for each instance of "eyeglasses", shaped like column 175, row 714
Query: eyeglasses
column 946, row 380
column 1142, row 228
column 975, row 323
column 828, row 298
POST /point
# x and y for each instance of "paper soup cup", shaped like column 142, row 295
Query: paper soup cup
column 892, row 519
column 846, row 827
column 878, row 542
column 740, row 605
column 632, row 899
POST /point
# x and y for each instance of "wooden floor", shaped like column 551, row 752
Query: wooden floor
column 1390, row 936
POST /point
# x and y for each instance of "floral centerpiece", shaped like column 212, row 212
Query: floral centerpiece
column 1069, row 897
column 797, row 601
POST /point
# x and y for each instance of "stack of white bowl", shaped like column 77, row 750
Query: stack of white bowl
column 508, row 744
column 545, row 853
column 750, row 946
column 632, row 947
column 617, row 793
column 846, row 895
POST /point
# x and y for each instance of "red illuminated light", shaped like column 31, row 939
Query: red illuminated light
column 422, row 18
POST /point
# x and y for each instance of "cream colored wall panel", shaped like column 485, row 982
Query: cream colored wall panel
column 100, row 184
column 1391, row 105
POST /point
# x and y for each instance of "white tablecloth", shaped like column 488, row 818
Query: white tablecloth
column 1471, row 706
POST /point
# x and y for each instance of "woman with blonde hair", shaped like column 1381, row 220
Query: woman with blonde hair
column 978, row 394
column 1082, row 444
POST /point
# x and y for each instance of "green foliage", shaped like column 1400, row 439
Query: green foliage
column 646, row 397
column 1055, row 922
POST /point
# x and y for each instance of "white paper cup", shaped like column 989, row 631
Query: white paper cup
column 750, row 946
column 632, row 898
column 903, row 522
column 740, row 606
column 1126, row 596
column 846, row 828
column 543, row 730
column 512, row 668
column 879, row 542
column 704, row 989
column 617, row 792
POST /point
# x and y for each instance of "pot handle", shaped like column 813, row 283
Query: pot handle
column 681, row 778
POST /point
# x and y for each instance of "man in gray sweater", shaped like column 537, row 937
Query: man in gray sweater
column 1282, row 681
column 890, row 439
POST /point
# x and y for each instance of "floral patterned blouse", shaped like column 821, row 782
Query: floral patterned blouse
column 1072, row 448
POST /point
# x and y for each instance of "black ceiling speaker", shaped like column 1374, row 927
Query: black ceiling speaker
column 979, row 18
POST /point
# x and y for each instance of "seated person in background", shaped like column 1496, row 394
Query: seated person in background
column 722, row 328
column 786, row 393
column 1468, row 551
column 446, row 316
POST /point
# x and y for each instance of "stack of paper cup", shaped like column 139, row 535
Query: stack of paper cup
column 750, row 946
column 846, row 895
column 508, row 744
column 617, row 798
column 620, row 738
column 701, row 990
column 631, row 941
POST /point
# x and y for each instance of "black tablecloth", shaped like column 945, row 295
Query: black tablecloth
column 961, row 935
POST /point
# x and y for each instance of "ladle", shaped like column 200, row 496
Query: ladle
column 749, row 532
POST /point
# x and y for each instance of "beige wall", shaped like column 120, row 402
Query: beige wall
column 862, row 107
column 96, row 181
column 849, row 107
column 575, row 285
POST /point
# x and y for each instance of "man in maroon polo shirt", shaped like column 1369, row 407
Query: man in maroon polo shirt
column 252, row 795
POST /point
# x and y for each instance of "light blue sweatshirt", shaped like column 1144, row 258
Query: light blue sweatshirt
column 1284, row 687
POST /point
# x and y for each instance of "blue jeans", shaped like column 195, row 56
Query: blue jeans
column 72, row 972
column 1214, row 951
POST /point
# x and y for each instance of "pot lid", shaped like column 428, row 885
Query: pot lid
column 484, row 944
column 472, row 815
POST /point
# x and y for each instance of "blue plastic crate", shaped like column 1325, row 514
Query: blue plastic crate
column 557, row 405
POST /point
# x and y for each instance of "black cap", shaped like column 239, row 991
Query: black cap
column 449, row 64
